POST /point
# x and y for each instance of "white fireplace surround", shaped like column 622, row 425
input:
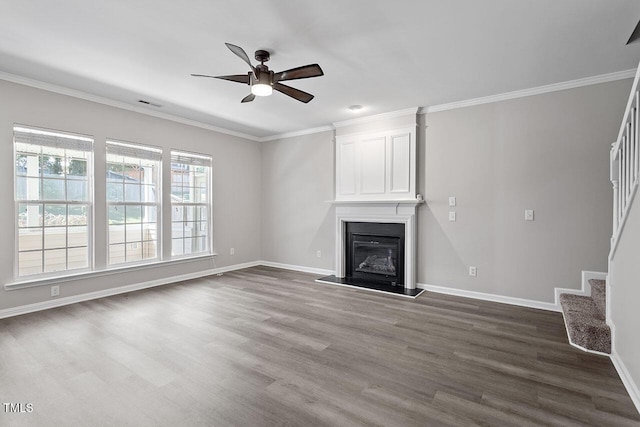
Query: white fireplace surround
column 400, row 212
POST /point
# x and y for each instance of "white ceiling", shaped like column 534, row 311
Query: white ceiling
column 386, row 55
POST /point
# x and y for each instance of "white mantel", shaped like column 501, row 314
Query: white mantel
column 397, row 211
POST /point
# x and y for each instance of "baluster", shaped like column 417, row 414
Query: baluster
column 620, row 183
column 635, row 137
column 625, row 153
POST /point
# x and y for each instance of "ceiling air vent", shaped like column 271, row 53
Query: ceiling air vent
column 142, row 101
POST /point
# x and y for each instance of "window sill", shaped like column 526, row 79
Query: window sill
column 22, row 284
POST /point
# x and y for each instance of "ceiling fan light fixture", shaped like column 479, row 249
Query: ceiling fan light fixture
column 261, row 89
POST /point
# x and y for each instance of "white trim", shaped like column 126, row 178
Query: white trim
column 43, row 281
column 566, row 328
column 571, row 84
column 296, row 133
column 490, row 297
column 585, row 288
column 296, row 268
column 376, row 117
column 59, row 302
column 345, row 285
column 119, row 104
column 627, row 379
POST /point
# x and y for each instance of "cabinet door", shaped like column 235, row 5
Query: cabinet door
column 372, row 156
column 400, row 163
column 346, row 171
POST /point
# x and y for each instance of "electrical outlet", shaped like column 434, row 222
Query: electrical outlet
column 55, row 290
column 319, row 254
column 452, row 216
column 452, row 201
column 528, row 215
column 232, row 251
column 473, row 271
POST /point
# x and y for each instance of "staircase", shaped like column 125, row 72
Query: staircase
column 585, row 318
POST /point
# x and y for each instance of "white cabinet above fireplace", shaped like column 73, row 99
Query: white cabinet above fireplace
column 376, row 166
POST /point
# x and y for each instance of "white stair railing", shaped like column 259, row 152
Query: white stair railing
column 625, row 163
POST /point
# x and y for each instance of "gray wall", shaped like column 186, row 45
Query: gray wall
column 624, row 295
column 546, row 152
column 236, row 177
column 298, row 218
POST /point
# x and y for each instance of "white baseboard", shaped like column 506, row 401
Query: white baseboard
column 585, row 288
column 59, row 302
column 490, row 297
column 300, row 268
column 627, row 380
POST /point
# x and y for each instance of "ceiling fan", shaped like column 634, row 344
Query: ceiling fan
column 263, row 81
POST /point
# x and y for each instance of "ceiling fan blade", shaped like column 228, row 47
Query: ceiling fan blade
column 635, row 36
column 293, row 92
column 304, row 72
column 248, row 98
column 240, row 53
column 240, row 78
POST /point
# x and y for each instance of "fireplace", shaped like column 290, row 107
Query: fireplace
column 375, row 252
column 376, row 247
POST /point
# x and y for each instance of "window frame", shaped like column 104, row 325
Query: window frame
column 209, row 203
column 89, row 203
column 158, row 204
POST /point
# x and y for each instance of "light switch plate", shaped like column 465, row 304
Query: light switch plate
column 528, row 215
column 452, row 201
column 452, row 216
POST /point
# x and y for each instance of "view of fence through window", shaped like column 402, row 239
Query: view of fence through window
column 52, row 189
column 133, row 176
column 190, row 187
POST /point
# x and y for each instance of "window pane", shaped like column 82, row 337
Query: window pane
column 116, row 234
column 134, row 251
column 134, row 233
column 76, row 168
column 53, row 189
column 77, row 189
column 52, row 166
column 77, row 236
column 131, row 192
column 30, row 215
column 149, row 214
column 55, row 237
column 29, row 239
column 190, row 213
column 116, row 254
column 177, row 231
column 116, row 214
column 77, row 215
column 115, row 192
column 177, row 213
column 149, row 231
column 55, row 260
column 134, row 214
column 55, row 215
column 149, row 249
column 176, row 247
column 148, row 193
column 29, row 263
column 78, row 257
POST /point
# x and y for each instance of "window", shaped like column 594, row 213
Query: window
column 53, row 195
column 133, row 202
column 190, row 203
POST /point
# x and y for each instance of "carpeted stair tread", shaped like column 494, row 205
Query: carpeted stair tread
column 585, row 318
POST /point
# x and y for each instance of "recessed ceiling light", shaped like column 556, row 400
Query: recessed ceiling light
column 355, row 108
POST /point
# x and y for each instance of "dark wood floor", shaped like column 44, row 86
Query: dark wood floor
column 262, row 347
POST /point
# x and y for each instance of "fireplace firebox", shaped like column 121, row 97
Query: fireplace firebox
column 375, row 252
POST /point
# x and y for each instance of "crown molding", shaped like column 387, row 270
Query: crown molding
column 296, row 133
column 571, row 84
column 375, row 117
column 119, row 104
